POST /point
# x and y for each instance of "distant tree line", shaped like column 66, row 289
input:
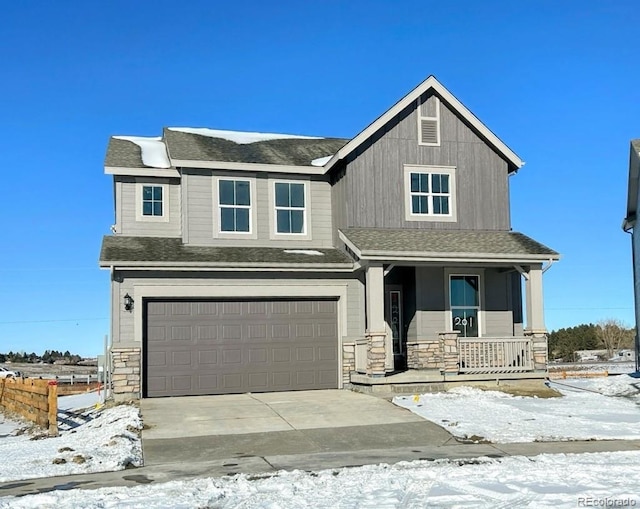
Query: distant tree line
column 610, row 335
column 48, row 357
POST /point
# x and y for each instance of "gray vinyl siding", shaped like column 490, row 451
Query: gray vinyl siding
column 430, row 303
column 123, row 321
column 501, row 305
column 199, row 212
column 127, row 222
column 373, row 187
column 498, row 305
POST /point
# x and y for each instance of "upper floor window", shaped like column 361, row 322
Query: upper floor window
column 152, row 201
column 429, row 121
column 234, row 202
column 430, row 193
column 290, row 207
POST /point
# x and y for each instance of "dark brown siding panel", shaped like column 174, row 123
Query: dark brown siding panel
column 223, row 347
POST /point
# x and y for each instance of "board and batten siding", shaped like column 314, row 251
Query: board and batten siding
column 127, row 220
column 123, row 322
column 199, row 211
column 373, row 185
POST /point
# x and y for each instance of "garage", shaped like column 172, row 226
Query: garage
column 199, row 347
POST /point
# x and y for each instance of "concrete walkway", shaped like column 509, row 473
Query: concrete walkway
column 261, row 434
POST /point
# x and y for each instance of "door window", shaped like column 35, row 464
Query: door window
column 464, row 291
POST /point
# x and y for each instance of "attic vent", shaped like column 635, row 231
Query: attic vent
column 429, row 131
column 429, row 121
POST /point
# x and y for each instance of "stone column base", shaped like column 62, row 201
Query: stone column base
column 540, row 348
column 449, row 340
column 125, row 374
column 348, row 361
column 376, row 353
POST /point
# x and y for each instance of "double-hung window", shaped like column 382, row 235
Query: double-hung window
column 234, row 203
column 152, row 201
column 290, row 208
column 430, row 193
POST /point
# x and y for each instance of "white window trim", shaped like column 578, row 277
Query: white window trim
column 306, row 225
column 452, row 216
column 447, row 295
column 164, row 218
column 217, row 233
column 422, row 117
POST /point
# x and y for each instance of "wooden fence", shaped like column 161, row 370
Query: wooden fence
column 35, row 400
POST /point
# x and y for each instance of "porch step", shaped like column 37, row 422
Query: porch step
column 520, row 384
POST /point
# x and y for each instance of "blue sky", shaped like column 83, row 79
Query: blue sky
column 556, row 81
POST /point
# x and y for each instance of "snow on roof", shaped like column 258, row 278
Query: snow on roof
column 311, row 252
column 240, row 137
column 152, row 150
column 321, row 161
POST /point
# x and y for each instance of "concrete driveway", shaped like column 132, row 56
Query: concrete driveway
column 238, row 414
column 205, row 428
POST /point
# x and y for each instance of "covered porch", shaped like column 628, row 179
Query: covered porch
column 448, row 306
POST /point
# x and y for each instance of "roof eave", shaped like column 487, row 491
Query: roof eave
column 142, row 172
column 396, row 256
column 226, row 266
column 225, row 165
column 430, row 83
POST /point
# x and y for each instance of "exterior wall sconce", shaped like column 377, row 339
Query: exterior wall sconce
column 128, row 302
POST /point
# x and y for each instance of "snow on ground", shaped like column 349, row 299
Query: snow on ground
column 612, row 367
column 91, row 440
column 596, row 408
column 550, row 480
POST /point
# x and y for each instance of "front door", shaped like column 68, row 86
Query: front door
column 393, row 315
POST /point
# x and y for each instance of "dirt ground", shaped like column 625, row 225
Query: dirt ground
column 50, row 370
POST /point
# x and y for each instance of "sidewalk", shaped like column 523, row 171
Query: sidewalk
column 333, row 456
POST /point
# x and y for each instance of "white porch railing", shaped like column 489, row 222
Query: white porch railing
column 361, row 355
column 495, row 355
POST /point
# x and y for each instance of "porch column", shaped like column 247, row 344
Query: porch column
column 535, row 317
column 535, row 303
column 376, row 331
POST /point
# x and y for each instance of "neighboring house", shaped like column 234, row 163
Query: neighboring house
column 629, row 226
column 624, row 355
column 248, row 262
column 591, row 355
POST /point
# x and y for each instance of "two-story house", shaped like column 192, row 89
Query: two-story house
column 251, row 262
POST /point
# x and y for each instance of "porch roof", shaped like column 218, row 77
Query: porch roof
column 444, row 245
column 159, row 252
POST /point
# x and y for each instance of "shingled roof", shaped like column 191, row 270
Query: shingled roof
column 123, row 154
column 161, row 251
column 288, row 150
column 444, row 244
column 185, row 144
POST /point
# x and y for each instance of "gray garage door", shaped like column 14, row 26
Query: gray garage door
column 215, row 347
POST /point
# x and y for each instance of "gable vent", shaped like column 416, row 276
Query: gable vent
column 429, row 131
